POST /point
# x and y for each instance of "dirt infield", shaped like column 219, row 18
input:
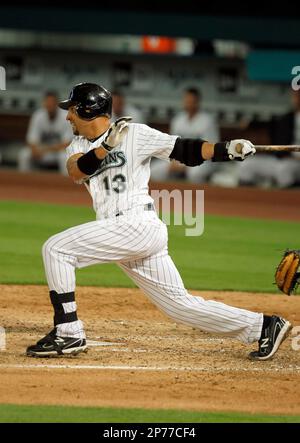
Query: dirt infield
column 146, row 360
column 137, row 357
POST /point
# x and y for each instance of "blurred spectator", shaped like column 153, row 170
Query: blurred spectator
column 192, row 122
column 48, row 135
column 121, row 108
column 281, row 169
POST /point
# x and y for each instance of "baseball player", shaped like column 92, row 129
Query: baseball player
column 115, row 158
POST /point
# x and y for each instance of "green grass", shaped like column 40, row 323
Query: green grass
column 232, row 254
column 67, row 414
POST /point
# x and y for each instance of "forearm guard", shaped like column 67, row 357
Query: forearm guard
column 220, row 153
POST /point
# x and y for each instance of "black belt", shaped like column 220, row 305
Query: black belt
column 147, row 207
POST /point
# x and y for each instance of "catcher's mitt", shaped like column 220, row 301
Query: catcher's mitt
column 287, row 276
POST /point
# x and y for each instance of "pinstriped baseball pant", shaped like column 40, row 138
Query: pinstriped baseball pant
column 137, row 242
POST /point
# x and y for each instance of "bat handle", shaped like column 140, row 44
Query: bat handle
column 239, row 148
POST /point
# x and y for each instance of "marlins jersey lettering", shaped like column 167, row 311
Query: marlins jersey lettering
column 122, row 180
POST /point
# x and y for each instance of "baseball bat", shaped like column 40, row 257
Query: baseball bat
column 272, row 148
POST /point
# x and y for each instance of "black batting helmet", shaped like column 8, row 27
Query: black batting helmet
column 90, row 100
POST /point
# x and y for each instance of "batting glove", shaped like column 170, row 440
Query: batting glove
column 116, row 133
column 240, row 149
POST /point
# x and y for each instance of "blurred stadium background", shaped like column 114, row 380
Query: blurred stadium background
column 241, row 61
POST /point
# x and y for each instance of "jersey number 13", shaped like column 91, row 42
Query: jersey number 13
column 117, row 183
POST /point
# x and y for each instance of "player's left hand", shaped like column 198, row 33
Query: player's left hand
column 116, row 133
column 240, row 149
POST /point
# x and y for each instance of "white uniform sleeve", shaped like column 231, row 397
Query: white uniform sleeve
column 153, row 143
column 77, row 146
column 33, row 135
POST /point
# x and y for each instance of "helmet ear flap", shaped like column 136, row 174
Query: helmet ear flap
column 85, row 113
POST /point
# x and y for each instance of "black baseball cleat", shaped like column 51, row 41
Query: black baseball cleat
column 52, row 345
column 271, row 338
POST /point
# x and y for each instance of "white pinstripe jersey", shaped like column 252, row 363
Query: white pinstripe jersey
column 122, row 180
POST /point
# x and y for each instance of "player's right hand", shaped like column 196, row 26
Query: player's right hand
column 116, row 133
